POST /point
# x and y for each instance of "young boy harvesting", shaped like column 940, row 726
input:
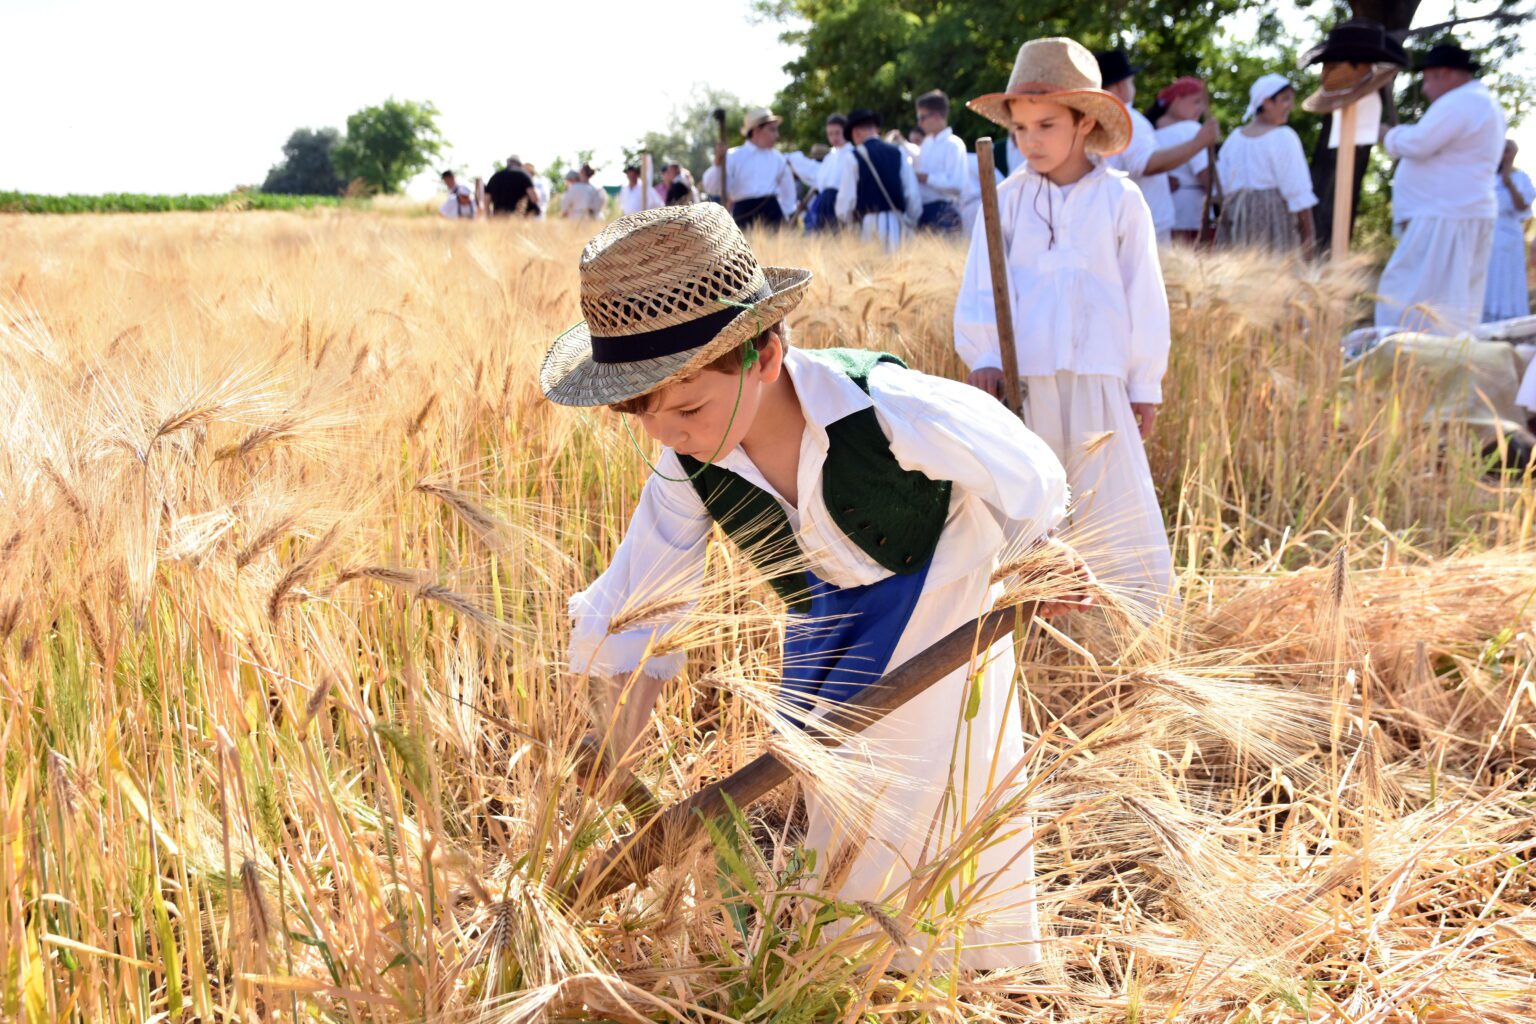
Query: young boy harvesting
column 895, row 490
column 1090, row 316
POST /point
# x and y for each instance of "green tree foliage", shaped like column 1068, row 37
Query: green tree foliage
column 307, row 168
column 386, row 145
column 884, row 53
column 691, row 133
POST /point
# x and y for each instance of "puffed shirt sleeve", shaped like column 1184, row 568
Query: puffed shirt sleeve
column 1133, row 158
column 1442, row 125
column 975, row 313
column 911, row 193
column 1146, row 298
column 1291, row 172
column 950, row 431
column 662, row 555
column 785, row 186
column 806, row 169
column 945, row 165
column 848, row 184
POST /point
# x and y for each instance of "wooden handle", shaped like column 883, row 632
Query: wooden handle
column 671, row 830
column 725, row 193
column 1344, row 183
column 992, row 221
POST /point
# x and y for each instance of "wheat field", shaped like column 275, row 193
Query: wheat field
column 286, row 537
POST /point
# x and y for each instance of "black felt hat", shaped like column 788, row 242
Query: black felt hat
column 862, row 116
column 1357, row 41
column 1115, row 66
column 1447, row 55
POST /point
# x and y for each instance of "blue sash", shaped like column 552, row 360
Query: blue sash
column 846, row 640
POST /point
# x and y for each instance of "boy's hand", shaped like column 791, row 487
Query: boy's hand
column 1081, row 595
column 988, row 379
column 1209, row 133
column 1146, row 415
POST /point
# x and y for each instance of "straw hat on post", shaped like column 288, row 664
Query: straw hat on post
column 1060, row 70
column 665, row 292
column 1359, row 57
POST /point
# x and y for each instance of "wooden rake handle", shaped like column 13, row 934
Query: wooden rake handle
column 997, row 260
column 676, row 827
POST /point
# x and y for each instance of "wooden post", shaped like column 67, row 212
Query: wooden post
column 998, row 262
column 645, row 181
column 725, row 190
column 1343, row 182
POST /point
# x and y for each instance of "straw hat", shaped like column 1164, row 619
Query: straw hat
column 665, row 292
column 1061, row 71
column 756, row 118
column 1348, row 83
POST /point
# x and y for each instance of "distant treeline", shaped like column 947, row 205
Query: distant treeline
column 130, row 202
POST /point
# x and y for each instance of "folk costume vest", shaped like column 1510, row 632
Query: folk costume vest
column 886, row 160
column 839, row 639
column 893, row 515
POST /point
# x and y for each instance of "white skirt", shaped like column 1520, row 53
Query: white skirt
column 1508, row 293
column 1116, row 523
column 1435, row 281
column 888, row 227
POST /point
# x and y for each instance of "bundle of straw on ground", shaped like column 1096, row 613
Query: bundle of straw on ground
column 286, row 536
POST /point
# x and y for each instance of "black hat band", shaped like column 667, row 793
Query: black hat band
column 674, row 338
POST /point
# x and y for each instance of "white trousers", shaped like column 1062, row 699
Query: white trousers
column 1116, row 524
column 1436, row 278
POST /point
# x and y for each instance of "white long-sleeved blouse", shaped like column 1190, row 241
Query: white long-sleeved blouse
column 1272, row 160
column 1084, row 280
column 1009, row 488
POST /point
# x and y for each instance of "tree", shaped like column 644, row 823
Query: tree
column 307, row 168
column 388, row 144
column 884, row 53
column 691, row 132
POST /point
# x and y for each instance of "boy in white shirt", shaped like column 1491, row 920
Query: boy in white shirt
column 898, row 492
column 1090, row 314
column 940, row 165
column 460, row 202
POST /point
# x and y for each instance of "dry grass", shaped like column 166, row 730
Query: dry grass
column 285, row 540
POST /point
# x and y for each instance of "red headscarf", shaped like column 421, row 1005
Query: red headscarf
column 1186, row 86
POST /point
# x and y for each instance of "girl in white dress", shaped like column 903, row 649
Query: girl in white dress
column 1508, row 293
column 1180, row 107
column 1264, row 176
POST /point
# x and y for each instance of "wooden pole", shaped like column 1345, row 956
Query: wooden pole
column 992, row 221
column 645, row 181
column 677, row 825
column 1343, row 183
column 725, row 191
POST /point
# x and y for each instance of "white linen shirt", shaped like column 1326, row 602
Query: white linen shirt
column 1189, row 196
column 753, row 172
column 848, row 187
column 1449, row 160
column 1274, row 159
column 942, row 158
column 806, row 169
column 451, row 208
column 1092, row 301
column 1009, row 489
column 633, row 198
column 582, row 199
column 1133, row 161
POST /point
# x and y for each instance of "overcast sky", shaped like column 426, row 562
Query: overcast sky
column 173, row 96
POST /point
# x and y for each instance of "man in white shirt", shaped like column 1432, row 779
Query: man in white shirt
column 1443, row 201
column 878, row 189
column 1148, row 165
column 633, row 196
column 582, row 200
column 762, row 187
column 940, row 165
column 460, row 203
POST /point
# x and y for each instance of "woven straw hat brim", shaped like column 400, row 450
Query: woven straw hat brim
column 570, row 376
column 1111, row 135
column 1324, row 101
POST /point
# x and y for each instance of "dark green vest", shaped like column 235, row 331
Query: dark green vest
column 894, row 515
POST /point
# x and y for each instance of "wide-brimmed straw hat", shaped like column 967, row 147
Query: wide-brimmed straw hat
column 1059, row 70
column 665, row 292
column 758, row 117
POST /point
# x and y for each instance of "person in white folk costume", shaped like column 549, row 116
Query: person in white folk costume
column 1508, row 292
column 1443, row 202
column 1180, row 107
column 1144, row 158
column 761, row 183
column 635, row 195
column 893, row 486
column 940, row 166
column 1090, row 313
column 1265, row 180
column 581, row 199
column 878, row 189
